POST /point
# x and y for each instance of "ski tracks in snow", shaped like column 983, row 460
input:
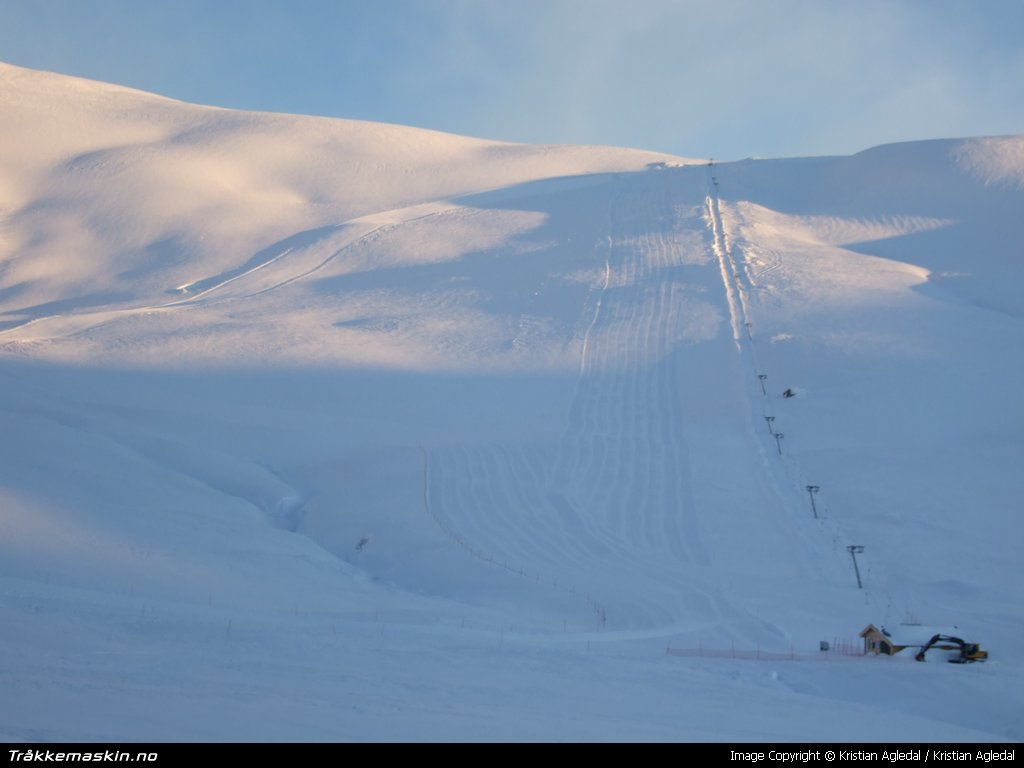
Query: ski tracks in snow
column 311, row 253
column 611, row 501
column 623, row 458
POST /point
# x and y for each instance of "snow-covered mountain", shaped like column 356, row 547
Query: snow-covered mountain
column 329, row 430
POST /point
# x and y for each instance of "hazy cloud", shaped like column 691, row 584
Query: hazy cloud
column 724, row 78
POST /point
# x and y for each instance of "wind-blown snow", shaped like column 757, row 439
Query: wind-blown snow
column 329, row 430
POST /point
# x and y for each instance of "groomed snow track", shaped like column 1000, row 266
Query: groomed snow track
column 623, row 506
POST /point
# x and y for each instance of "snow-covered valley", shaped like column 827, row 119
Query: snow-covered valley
column 327, row 430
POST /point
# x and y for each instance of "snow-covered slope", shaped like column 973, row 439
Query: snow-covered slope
column 320, row 429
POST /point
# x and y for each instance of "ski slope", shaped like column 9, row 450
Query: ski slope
column 328, row 430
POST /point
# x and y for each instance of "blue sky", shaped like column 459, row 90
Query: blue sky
column 725, row 79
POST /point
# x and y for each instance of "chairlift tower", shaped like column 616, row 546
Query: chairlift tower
column 854, row 550
column 811, row 490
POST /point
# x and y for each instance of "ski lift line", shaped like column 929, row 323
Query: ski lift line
column 738, row 307
column 722, row 248
column 718, row 248
column 735, row 294
column 727, row 249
